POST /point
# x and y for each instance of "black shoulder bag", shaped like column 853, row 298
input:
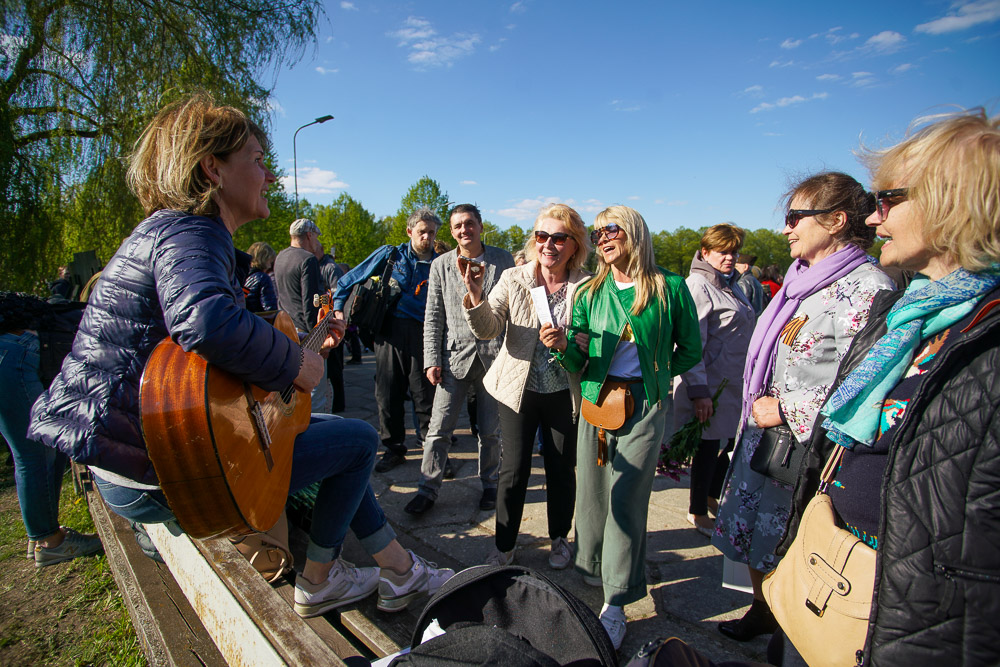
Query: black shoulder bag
column 370, row 303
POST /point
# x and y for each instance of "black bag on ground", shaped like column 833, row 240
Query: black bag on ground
column 778, row 455
column 508, row 615
column 370, row 303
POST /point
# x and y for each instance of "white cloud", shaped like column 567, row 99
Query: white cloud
column 828, row 77
column 628, row 107
column 781, row 63
column 899, row 69
column 518, row 7
column 633, row 198
column 428, row 49
column 791, row 43
column 314, row 181
column 469, row 183
column 862, row 79
column 527, row 209
column 968, row 14
column 349, row 6
column 274, row 106
column 887, row 41
column 324, row 70
column 755, row 90
column 787, row 101
column 773, row 134
column 496, row 47
column 834, row 36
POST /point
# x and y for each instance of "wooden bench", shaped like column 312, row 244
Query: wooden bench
column 207, row 606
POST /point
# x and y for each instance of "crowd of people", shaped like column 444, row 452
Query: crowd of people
column 897, row 384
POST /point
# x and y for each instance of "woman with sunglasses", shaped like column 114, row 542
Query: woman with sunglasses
column 635, row 326
column 917, row 405
column 531, row 391
column 726, row 320
column 791, row 363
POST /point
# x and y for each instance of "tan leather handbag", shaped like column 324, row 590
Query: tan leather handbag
column 268, row 552
column 614, row 406
column 821, row 591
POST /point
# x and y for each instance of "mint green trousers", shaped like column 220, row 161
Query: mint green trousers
column 612, row 502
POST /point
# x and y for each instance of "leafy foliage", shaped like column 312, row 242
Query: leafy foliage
column 79, row 82
column 425, row 192
column 351, row 228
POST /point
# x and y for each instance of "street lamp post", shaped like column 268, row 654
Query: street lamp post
column 295, row 161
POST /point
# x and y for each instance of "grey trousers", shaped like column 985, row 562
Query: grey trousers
column 449, row 402
column 612, row 502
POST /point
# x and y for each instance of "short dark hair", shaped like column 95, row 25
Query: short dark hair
column 467, row 208
column 749, row 260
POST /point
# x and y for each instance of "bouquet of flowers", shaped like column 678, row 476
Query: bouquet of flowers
column 683, row 445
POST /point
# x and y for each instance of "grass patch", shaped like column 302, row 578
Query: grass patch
column 66, row 614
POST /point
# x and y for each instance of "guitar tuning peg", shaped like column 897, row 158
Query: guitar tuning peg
column 316, row 300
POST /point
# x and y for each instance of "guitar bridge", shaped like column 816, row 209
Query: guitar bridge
column 260, row 426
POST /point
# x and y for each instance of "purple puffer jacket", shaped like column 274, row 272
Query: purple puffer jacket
column 175, row 275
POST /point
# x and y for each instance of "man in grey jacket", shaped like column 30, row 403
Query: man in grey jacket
column 455, row 361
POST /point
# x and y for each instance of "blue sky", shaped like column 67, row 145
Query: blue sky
column 692, row 113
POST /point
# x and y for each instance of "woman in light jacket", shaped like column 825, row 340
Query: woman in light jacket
column 531, row 391
column 726, row 319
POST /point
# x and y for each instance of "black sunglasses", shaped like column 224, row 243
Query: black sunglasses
column 611, row 231
column 882, row 203
column 559, row 238
column 794, row 215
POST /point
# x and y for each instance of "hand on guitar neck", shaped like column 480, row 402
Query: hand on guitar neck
column 311, row 370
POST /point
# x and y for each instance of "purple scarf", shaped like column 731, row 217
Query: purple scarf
column 801, row 281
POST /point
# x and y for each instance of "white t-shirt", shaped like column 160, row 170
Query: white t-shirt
column 625, row 363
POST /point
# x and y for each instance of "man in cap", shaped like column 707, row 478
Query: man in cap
column 751, row 287
column 297, row 279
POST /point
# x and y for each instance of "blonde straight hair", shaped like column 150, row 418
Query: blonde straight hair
column 641, row 265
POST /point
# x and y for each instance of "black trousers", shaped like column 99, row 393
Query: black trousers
column 335, row 372
column 399, row 366
column 708, row 473
column 554, row 413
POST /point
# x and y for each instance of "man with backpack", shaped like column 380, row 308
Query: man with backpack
column 399, row 354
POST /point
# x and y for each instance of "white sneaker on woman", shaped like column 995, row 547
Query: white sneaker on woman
column 396, row 591
column 345, row 584
column 613, row 621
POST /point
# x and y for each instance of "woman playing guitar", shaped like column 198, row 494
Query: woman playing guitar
column 199, row 171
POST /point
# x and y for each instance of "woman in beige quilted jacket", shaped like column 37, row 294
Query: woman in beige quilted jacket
column 534, row 394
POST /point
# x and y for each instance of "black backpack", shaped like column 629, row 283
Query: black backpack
column 508, row 615
column 371, row 302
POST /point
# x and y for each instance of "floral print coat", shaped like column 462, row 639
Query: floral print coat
column 753, row 510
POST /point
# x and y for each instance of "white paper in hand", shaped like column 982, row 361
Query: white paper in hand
column 541, row 301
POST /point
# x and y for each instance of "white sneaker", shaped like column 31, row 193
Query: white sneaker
column 345, row 584
column 396, row 591
column 614, row 624
column 74, row 545
column 500, row 557
column 561, row 555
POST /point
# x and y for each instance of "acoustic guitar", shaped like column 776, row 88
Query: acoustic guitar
column 221, row 447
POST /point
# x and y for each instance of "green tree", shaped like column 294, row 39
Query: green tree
column 348, row 225
column 769, row 246
column 78, row 82
column 674, row 250
column 425, row 192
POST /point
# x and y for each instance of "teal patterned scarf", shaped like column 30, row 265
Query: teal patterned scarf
column 927, row 307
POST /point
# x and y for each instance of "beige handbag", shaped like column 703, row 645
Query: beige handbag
column 821, row 591
column 267, row 552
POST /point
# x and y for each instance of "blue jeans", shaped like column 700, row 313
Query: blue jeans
column 339, row 453
column 38, row 470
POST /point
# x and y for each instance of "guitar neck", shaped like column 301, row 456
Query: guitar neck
column 314, row 339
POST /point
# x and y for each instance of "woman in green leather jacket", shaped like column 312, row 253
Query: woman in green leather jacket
column 636, row 324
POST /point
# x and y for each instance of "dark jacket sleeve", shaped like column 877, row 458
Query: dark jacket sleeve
column 202, row 312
